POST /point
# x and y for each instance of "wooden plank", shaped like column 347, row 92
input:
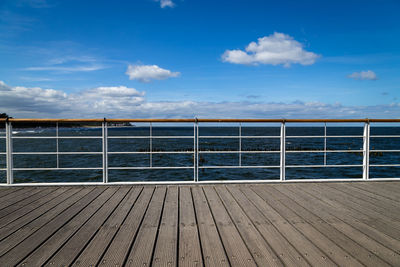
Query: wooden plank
column 356, row 250
column 261, row 251
column 143, row 247
column 312, row 245
column 373, row 198
column 358, row 201
column 8, row 190
column 71, row 231
column 23, row 249
column 349, row 216
column 330, row 215
column 19, row 195
column 387, row 208
column 236, row 250
column 368, row 216
column 14, row 212
column 166, row 248
column 16, row 206
column 122, row 242
column 97, row 246
column 19, row 229
column 189, row 242
column 376, row 189
column 211, row 244
column 283, row 248
column 89, row 226
column 393, row 186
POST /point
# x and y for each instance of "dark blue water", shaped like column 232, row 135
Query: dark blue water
column 205, row 159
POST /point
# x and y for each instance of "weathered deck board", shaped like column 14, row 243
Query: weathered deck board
column 143, row 247
column 307, row 239
column 356, row 234
column 97, row 246
column 355, row 249
column 283, row 248
column 212, row 247
column 18, row 230
column 189, row 242
column 166, row 249
column 13, row 212
column 293, row 224
column 261, row 251
column 235, row 247
column 121, row 244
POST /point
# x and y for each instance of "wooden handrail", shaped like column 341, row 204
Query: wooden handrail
column 199, row 120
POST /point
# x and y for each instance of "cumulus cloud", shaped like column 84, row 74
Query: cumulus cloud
column 275, row 49
column 364, row 75
column 146, row 73
column 38, row 102
column 121, row 101
column 166, row 3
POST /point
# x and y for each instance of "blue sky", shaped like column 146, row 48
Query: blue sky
column 175, row 58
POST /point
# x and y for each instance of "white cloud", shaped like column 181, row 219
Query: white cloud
column 70, row 64
column 363, row 75
column 121, row 101
column 37, row 102
column 146, row 73
column 166, row 3
column 78, row 68
column 275, row 49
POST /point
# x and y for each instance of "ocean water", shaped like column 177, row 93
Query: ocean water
column 206, row 159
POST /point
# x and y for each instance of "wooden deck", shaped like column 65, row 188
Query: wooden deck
column 301, row 224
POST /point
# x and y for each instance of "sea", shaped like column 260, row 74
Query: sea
column 214, row 151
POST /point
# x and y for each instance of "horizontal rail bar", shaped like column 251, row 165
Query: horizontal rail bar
column 323, row 151
column 199, row 120
column 55, row 137
column 323, row 166
column 237, row 137
column 200, row 151
column 152, row 152
column 277, row 151
column 287, row 166
column 187, row 137
column 154, row 137
column 237, row 151
column 383, row 150
column 56, row 169
column 150, row 168
column 330, row 180
column 384, row 136
column 384, row 165
column 238, row 167
column 322, row 136
column 55, row 153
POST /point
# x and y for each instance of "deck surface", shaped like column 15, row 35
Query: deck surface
column 293, row 224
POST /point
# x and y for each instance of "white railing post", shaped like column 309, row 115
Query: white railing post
column 9, row 152
column 194, row 152
column 240, row 144
column 283, row 151
column 57, row 148
column 197, row 150
column 366, row 151
column 151, row 145
column 105, row 151
column 325, row 144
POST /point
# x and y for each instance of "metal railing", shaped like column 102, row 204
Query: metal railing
column 196, row 152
